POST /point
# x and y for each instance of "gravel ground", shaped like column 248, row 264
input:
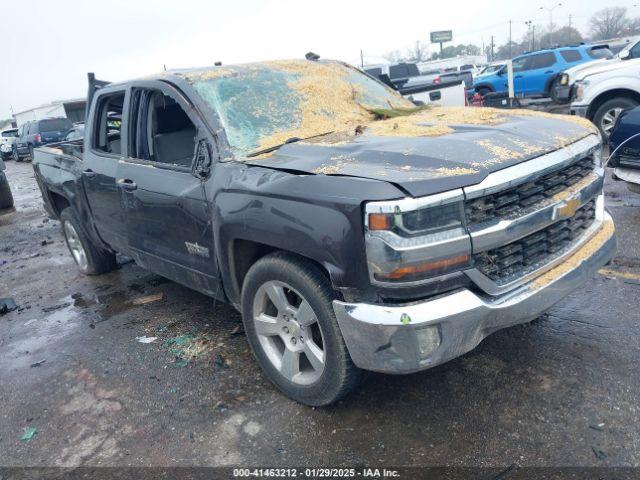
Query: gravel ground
column 560, row 391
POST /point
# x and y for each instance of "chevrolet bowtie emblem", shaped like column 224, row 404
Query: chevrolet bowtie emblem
column 569, row 208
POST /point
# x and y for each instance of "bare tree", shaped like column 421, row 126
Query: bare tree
column 394, row 56
column 609, row 23
column 418, row 53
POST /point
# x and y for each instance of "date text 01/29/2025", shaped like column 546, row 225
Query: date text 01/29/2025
column 348, row 473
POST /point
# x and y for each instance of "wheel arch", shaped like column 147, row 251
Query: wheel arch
column 243, row 254
column 610, row 95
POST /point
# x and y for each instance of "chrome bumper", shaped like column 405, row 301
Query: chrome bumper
column 387, row 338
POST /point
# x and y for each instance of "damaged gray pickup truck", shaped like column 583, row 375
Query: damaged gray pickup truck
column 352, row 229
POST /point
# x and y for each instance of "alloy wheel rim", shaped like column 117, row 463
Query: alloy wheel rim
column 289, row 333
column 75, row 245
column 609, row 119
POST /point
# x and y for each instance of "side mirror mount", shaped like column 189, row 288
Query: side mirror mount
column 202, row 166
column 625, row 55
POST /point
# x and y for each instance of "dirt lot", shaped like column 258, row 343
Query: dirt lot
column 562, row 390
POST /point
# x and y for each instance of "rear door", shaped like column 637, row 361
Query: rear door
column 105, row 143
column 538, row 69
column 168, row 220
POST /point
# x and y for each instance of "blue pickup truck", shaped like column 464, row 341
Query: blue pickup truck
column 535, row 73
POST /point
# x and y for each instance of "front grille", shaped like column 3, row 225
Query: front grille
column 514, row 260
column 518, row 200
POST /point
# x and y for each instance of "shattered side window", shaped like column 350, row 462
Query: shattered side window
column 264, row 105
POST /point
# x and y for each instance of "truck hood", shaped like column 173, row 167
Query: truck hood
column 427, row 165
column 576, row 73
column 605, row 67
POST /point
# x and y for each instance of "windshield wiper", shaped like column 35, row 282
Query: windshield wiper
column 287, row 141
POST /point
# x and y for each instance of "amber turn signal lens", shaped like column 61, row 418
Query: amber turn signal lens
column 439, row 266
column 379, row 221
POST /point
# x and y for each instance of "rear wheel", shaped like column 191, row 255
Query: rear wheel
column 6, row 198
column 607, row 114
column 91, row 260
column 290, row 324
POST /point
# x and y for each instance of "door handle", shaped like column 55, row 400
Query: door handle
column 89, row 173
column 548, row 72
column 126, row 184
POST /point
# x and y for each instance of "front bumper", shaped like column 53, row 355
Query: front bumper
column 579, row 110
column 386, row 338
column 631, row 176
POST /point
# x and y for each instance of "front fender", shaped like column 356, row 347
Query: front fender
column 598, row 87
column 318, row 217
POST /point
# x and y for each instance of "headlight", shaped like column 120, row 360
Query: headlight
column 580, row 87
column 564, row 79
column 412, row 240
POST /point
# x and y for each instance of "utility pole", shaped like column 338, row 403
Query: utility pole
column 533, row 38
column 550, row 10
column 361, row 58
column 510, row 39
column 569, row 20
column 528, row 23
column 493, row 57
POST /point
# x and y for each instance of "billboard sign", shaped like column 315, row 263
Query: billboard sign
column 441, row 36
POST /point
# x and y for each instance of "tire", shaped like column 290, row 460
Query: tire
column 553, row 94
column 606, row 115
column 91, row 260
column 483, row 91
column 16, row 155
column 291, row 279
column 31, row 153
column 6, row 198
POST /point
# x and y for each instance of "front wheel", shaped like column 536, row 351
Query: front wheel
column 91, row 260
column 16, row 155
column 607, row 114
column 288, row 317
column 31, row 152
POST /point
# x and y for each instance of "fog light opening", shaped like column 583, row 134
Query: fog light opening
column 428, row 340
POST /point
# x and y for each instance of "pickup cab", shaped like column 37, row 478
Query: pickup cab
column 352, row 229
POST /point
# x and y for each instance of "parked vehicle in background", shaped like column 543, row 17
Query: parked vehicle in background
column 6, row 198
column 356, row 233
column 603, row 92
column 76, row 133
column 490, row 68
column 402, row 75
column 625, row 148
column 432, row 87
column 7, row 138
column 536, row 74
column 564, row 91
column 37, row 133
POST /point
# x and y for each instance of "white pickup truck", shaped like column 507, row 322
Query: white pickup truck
column 601, row 90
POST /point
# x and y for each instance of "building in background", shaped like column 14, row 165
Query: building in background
column 71, row 109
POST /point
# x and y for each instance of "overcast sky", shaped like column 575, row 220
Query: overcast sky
column 49, row 46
